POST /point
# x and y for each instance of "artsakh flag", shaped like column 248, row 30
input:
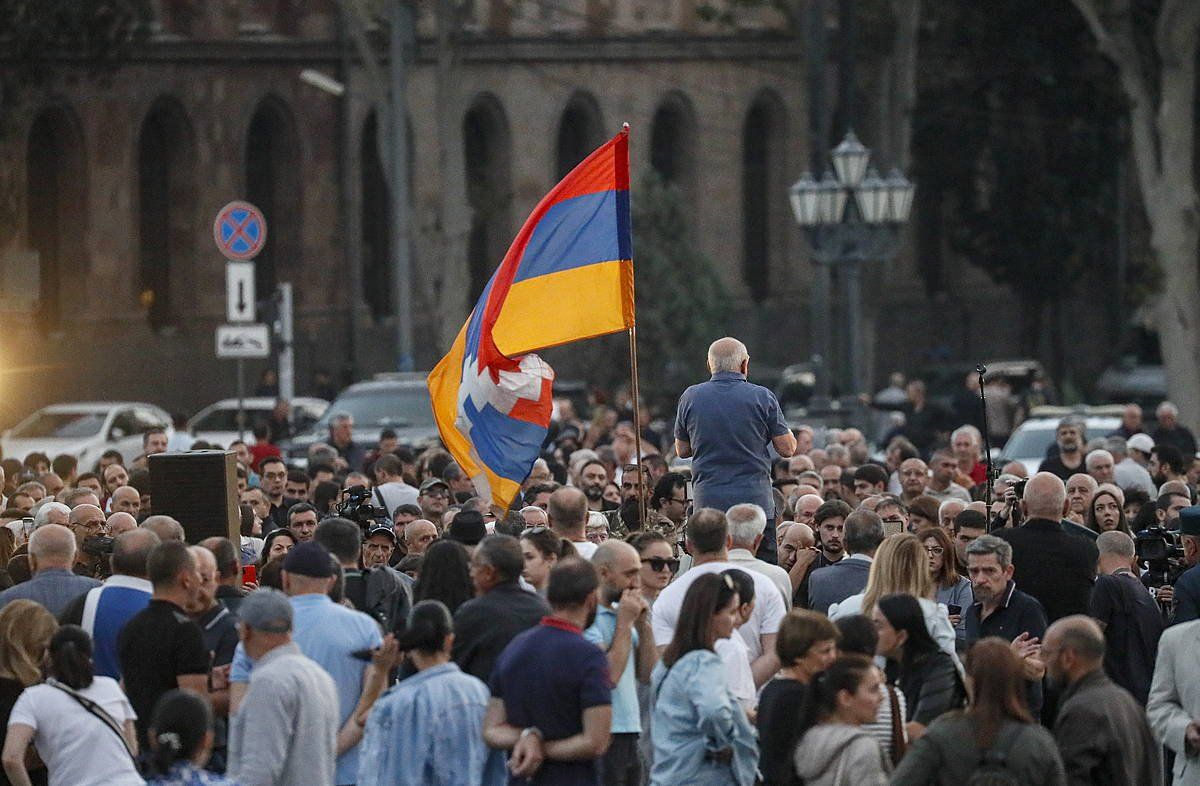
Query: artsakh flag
column 567, row 276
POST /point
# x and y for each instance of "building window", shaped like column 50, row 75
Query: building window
column 273, row 185
column 487, row 149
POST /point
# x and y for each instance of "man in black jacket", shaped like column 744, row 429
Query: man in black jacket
column 1101, row 731
column 485, row 625
column 1050, row 564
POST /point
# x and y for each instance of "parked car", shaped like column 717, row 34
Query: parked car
column 217, row 423
column 399, row 401
column 1030, row 441
column 1127, row 383
column 85, row 429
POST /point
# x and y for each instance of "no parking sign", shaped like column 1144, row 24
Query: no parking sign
column 240, row 230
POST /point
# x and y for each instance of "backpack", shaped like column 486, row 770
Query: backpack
column 993, row 764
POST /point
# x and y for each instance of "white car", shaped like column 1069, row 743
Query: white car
column 85, row 430
column 217, row 423
column 1031, row 439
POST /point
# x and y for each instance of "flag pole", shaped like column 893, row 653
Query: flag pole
column 637, row 423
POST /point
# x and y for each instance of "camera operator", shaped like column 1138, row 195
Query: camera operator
column 1186, row 594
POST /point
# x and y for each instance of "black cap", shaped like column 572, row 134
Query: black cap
column 467, row 527
column 309, row 559
column 1189, row 520
column 381, row 530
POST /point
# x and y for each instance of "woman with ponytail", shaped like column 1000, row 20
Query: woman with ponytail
column 81, row 724
column 428, row 729
column 181, row 740
column 834, row 749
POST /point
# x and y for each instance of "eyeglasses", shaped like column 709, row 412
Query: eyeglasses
column 658, row 563
column 935, row 550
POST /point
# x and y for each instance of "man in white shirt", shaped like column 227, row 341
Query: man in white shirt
column 747, row 522
column 390, row 489
column 707, row 534
column 568, row 512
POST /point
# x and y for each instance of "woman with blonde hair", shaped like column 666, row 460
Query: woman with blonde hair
column 25, row 631
column 901, row 565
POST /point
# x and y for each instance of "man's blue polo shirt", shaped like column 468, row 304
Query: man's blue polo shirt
column 729, row 423
column 546, row 677
column 328, row 633
column 626, row 716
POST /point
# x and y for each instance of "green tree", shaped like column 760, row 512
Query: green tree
column 1016, row 142
column 681, row 302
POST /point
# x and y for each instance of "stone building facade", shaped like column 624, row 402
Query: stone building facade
column 114, row 183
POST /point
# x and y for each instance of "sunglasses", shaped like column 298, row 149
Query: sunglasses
column 658, row 563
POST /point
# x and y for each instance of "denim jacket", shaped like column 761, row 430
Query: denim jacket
column 695, row 716
column 428, row 731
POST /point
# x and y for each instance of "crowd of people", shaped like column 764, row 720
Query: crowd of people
column 744, row 601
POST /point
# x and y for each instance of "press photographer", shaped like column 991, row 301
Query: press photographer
column 1185, row 596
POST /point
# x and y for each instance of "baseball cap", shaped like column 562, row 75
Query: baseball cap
column 1189, row 520
column 309, row 559
column 382, row 530
column 266, row 609
column 431, row 482
column 1141, row 442
column 467, row 528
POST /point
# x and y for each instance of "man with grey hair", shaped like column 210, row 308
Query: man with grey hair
column 1071, row 435
column 728, row 427
column 1101, row 465
column 51, row 557
column 1127, row 472
column 1128, row 615
column 341, row 437
column 286, row 728
column 1000, row 609
column 746, row 526
column 1101, row 731
column 1051, row 564
column 834, row 583
column 51, row 512
column 1171, row 432
column 165, row 527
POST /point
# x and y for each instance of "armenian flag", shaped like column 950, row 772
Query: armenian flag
column 567, row 276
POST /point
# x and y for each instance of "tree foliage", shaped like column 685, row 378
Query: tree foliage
column 42, row 40
column 681, row 303
column 1017, row 129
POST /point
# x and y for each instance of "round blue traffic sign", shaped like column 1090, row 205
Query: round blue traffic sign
column 240, row 230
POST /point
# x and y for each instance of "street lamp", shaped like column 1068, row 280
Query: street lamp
column 850, row 217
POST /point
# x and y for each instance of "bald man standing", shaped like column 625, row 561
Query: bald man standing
column 727, row 426
column 1102, row 733
column 51, row 557
column 1049, row 563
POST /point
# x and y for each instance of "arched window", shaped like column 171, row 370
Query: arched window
column 673, row 144
column 273, row 179
column 166, row 209
column 487, row 149
column 763, row 191
column 580, row 131
column 376, row 223
column 56, row 207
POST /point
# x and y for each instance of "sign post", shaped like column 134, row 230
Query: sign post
column 240, row 232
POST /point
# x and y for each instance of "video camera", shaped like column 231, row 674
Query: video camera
column 98, row 546
column 358, row 508
column 1161, row 550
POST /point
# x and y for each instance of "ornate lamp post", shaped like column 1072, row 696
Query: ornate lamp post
column 849, row 217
